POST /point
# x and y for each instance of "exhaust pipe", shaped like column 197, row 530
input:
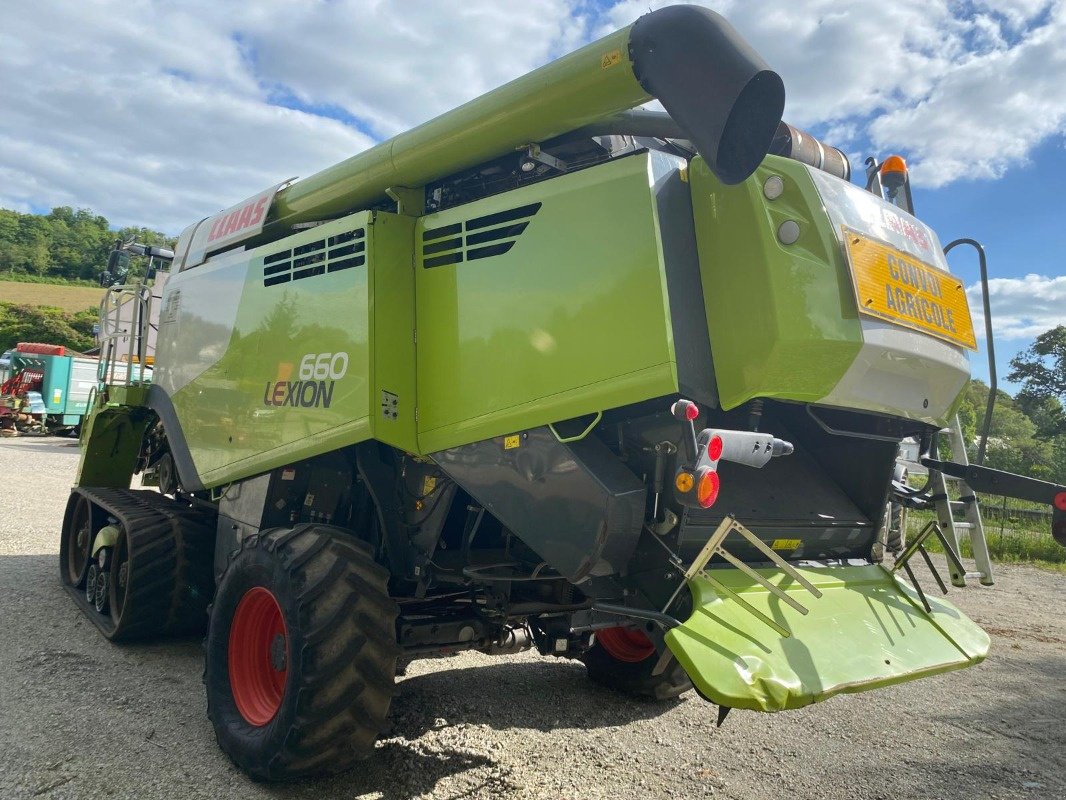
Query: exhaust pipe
column 721, row 93
column 793, row 143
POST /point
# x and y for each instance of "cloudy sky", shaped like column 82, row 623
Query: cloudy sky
column 160, row 113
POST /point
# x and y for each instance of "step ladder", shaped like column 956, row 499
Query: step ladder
column 960, row 517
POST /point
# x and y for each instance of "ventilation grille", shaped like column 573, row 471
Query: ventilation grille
column 343, row 251
column 491, row 235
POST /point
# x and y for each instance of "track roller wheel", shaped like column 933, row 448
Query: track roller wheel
column 168, row 474
column 301, row 653
column 80, row 525
column 624, row 659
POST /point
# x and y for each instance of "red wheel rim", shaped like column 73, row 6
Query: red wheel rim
column 258, row 656
column 626, row 644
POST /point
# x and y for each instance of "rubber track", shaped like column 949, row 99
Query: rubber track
column 347, row 652
column 171, row 549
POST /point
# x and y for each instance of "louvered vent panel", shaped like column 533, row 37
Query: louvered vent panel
column 343, row 251
column 480, row 237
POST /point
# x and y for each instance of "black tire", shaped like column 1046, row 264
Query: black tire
column 895, row 535
column 168, row 475
column 635, row 678
column 338, row 650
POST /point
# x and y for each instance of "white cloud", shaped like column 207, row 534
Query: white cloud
column 987, row 111
column 159, row 113
column 394, row 70
column 963, row 94
column 1022, row 308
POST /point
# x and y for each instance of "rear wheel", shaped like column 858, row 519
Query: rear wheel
column 625, row 659
column 301, row 653
column 895, row 531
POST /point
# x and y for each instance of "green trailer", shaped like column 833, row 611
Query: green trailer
column 546, row 371
column 64, row 381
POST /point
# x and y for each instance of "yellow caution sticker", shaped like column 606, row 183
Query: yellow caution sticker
column 611, row 59
column 511, row 442
column 897, row 287
column 785, row 544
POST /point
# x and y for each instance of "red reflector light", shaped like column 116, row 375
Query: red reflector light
column 685, row 410
column 707, row 489
column 1060, row 501
column 714, row 447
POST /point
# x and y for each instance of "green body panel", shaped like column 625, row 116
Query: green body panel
column 866, row 631
column 235, row 414
column 568, row 93
column 392, row 315
column 573, row 319
column 782, row 319
column 111, row 438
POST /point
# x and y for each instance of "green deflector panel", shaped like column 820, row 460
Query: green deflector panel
column 867, row 630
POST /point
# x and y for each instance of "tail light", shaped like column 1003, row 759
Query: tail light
column 707, row 487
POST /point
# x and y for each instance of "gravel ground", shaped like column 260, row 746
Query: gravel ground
column 82, row 718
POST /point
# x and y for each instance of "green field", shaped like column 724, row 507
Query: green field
column 68, row 298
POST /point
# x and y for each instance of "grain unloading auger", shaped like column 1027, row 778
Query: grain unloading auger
column 545, row 371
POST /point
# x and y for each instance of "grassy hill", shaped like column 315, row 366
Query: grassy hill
column 67, row 298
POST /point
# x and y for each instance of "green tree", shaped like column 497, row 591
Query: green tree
column 23, row 323
column 1041, row 367
column 65, row 244
column 1046, row 413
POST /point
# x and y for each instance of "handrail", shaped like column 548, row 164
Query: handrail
column 111, row 331
column 989, row 344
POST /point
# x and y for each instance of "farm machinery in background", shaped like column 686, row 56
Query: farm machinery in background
column 47, row 388
column 546, row 371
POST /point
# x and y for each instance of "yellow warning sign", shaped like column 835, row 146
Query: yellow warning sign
column 611, row 59
column 511, row 442
column 897, row 287
column 785, row 544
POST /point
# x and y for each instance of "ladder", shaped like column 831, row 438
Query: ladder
column 125, row 315
column 962, row 516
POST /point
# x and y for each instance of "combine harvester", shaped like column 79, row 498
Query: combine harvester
column 549, row 372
